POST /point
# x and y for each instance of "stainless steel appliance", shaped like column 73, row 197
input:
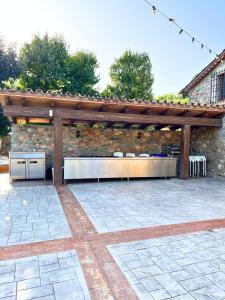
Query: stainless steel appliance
column 112, row 167
column 27, row 165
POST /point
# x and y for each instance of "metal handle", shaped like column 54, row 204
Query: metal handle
column 33, row 162
column 20, row 162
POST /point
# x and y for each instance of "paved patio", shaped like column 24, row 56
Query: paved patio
column 171, row 246
column 115, row 206
column 184, row 267
column 51, row 277
column 31, row 214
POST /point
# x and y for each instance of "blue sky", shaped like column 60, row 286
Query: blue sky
column 109, row 27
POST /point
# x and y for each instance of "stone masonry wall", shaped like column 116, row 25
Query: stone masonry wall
column 201, row 93
column 211, row 143
column 92, row 141
column 5, row 146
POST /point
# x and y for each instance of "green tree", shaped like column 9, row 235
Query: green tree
column 9, row 66
column 170, row 97
column 81, row 73
column 131, row 76
column 5, row 125
column 43, row 63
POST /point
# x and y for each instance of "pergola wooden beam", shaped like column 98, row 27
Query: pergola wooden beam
column 57, row 157
column 185, row 151
column 84, row 115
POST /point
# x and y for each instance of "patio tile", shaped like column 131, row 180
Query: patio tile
column 36, row 278
column 210, row 292
column 28, row 283
column 115, row 205
column 7, row 289
column 35, row 292
column 68, row 290
column 6, row 277
column 160, row 294
column 26, row 270
column 160, row 280
column 31, row 214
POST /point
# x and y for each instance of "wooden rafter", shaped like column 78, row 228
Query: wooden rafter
column 174, row 127
column 159, row 127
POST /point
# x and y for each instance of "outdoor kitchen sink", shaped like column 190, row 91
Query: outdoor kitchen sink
column 27, row 165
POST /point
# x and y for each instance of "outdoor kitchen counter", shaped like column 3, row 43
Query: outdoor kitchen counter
column 115, row 167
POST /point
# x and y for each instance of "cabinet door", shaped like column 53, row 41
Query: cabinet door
column 35, row 168
column 17, row 168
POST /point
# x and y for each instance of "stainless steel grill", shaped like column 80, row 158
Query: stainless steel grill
column 27, row 165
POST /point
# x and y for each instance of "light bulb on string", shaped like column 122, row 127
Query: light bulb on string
column 181, row 30
column 154, row 10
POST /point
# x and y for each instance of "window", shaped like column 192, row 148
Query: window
column 218, row 87
column 221, row 87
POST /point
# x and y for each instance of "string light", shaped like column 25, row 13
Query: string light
column 155, row 10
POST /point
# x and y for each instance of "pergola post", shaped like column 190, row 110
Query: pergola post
column 185, row 151
column 57, row 156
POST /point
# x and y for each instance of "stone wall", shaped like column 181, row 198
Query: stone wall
column 202, row 92
column 5, row 146
column 92, row 141
column 211, row 143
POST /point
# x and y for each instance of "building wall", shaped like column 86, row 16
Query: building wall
column 201, row 92
column 92, row 141
column 211, row 143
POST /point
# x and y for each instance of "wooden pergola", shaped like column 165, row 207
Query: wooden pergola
column 59, row 109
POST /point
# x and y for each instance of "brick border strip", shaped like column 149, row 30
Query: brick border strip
column 158, row 231
column 77, row 218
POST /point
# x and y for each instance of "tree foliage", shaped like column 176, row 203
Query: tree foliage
column 170, row 97
column 131, row 76
column 47, row 65
column 81, row 73
column 5, row 125
column 43, row 63
column 9, row 65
